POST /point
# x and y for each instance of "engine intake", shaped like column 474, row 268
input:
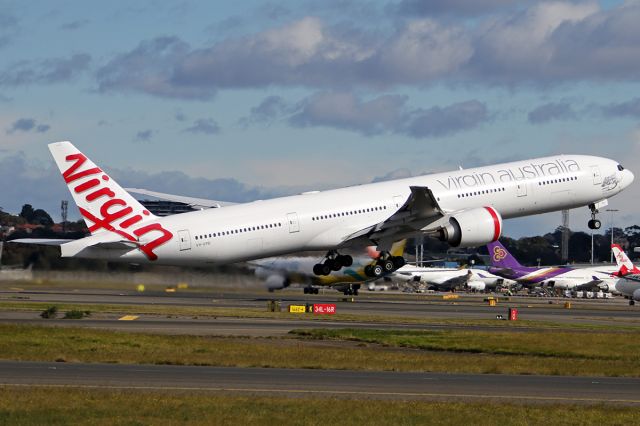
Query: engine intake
column 472, row 228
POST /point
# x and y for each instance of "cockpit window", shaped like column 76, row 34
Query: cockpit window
column 620, row 167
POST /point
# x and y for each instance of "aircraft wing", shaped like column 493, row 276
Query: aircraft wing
column 199, row 203
column 418, row 212
column 591, row 285
column 454, row 282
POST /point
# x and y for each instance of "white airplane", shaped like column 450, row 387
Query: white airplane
column 462, row 207
column 280, row 272
column 447, row 279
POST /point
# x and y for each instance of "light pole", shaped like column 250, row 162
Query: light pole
column 612, row 212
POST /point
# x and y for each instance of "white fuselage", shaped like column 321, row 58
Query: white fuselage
column 324, row 220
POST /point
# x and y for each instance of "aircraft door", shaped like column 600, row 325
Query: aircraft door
column 185, row 240
column 597, row 177
column 292, row 219
column 521, row 189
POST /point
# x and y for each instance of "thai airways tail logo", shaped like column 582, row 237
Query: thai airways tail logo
column 115, row 213
column 499, row 253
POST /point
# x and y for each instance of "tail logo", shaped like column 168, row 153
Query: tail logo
column 111, row 208
column 499, row 253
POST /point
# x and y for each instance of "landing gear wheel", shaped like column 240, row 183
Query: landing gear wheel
column 368, row 270
column 333, row 264
column 387, row 265
column 345, row 260
column 377, row 270
column 321, row 269
column 632, row 302
column 398, row 261
column 594, row 224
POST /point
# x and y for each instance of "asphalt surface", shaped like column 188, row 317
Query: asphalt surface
column 602, row 312
column 378, row 385
column 294, row 382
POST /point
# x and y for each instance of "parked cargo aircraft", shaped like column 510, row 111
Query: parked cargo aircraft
column 462, row 207
column 280, row 272
column 565, row 278
column 448, row 279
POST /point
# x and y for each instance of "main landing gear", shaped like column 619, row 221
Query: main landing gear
column 334, row 262
column 594, row 223
column 385, row 264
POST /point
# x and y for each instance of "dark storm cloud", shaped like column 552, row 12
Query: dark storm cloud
column 46, row 71
column 27, row 125
column 551, row 111
column 206, row 126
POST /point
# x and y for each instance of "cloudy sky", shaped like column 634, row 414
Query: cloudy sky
column 254, row 99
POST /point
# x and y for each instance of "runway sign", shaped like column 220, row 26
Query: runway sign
column 297, row 309
column 324, row 308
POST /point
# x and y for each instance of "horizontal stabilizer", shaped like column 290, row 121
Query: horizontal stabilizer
column 199, row 203
column 41, row 241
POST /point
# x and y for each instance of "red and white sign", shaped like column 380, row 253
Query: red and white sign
column 324, row 308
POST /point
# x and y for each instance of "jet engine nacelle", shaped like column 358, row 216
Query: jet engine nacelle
column 472, row 228
column 636, row 295
column 276, row 282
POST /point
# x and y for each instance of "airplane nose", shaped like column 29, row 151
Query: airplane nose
column 627, row 177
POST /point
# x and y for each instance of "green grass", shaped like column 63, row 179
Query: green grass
column 546, row 344
column 214, row 312
column 61, row 406
column 552, row 352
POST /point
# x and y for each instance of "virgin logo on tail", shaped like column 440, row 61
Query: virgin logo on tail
column 115, row 214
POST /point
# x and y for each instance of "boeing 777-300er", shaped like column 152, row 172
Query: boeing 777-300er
column 463, row 207
column 559, row 277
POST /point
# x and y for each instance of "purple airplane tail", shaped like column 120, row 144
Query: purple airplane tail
column 501, row 258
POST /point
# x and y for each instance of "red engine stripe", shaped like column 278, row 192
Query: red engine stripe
column 496, row 223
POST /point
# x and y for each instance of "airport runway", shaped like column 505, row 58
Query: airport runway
column 613, row 312
column 335, row 383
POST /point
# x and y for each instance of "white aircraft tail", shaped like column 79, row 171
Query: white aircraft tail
column 102, row 202
column 104, row 205
column 625, row 265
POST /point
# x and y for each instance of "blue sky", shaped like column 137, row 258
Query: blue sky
column 255, row 99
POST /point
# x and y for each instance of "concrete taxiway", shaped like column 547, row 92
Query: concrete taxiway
column 301, row 382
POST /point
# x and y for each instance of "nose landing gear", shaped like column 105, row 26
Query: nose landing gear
column 594, row 223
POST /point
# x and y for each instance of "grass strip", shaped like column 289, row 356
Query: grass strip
column 33, row 343
column 214, row 312
column 57, row 406
column 546, row 344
